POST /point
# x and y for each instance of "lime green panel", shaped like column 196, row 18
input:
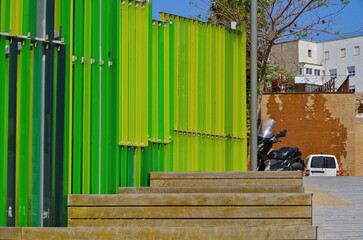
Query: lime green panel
column 154, row 94
column 132, row 63
column 124, row 86
column 138, row 80
column 86, row 154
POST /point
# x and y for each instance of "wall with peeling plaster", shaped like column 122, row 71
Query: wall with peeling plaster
column 316, row 123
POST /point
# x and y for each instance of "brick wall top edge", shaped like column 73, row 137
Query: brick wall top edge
column 310, row 93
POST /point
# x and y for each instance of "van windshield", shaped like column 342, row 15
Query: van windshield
column 323, row 162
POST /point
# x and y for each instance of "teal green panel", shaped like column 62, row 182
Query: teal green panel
column 145, row 166
column 123, row 166
column 161, row 158
column 130, row 166
column 24, row 135
column 114, row 164
column 95, row 99
column 36, row 136
column 105, row 87
column 155, row 160
column 78, row 96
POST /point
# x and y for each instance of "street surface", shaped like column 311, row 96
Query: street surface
column 341, row 216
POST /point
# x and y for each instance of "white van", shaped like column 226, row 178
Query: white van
column 321, row 165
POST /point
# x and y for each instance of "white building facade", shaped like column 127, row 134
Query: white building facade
column 316, row 63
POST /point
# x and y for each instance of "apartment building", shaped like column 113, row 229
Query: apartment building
column 315, row 63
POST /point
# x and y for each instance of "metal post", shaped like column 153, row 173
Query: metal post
column 253, row 85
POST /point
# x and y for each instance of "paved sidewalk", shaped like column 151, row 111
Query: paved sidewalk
column 339, row 221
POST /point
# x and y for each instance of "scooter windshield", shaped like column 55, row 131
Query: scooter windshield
column 266, row 128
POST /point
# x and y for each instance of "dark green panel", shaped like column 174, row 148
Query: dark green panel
column 66, row 32
column 48, row 116
column 4, row 98
column 50, row 19
column 48, row 134
column 13, row 65
column 59, row 138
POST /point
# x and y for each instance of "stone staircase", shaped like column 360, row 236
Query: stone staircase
column 193, row 205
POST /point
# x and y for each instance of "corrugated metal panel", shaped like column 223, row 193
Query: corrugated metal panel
column 89, row 110
column 209, row 101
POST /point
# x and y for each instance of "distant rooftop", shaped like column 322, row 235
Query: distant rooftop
column 312, row 39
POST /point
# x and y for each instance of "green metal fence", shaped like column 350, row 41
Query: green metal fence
column 95, row 94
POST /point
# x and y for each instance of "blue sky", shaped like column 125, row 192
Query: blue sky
column 177, row 7
column 349, row 20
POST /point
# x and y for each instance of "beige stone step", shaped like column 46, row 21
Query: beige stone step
column 213, row 189
column 171, row 208
column 188, row 222
column 191, row 199
column 195, row 233
column 255, row 174
column 183, row 179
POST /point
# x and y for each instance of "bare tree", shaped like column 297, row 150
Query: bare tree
column 277, row 20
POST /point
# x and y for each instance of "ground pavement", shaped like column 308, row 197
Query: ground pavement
column 337, row 206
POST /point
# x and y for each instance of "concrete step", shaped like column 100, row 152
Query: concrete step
column 188, row 222
column 213, row 189
column 183, row 179
column 198, row 206
column 195, row 233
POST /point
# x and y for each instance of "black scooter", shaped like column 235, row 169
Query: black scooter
column 284, row 159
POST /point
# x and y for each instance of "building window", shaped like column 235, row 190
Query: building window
column 311, row 87
column 351, row 71
column 333, row 73
column 309, row 53
column 309, row 71
column 342, row 52
column 352, row 88
column 326, row 55
column 356, row 50
column 301, row 71
column 323, row 73
column 316, row 72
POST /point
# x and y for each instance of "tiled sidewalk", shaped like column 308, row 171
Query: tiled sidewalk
column 339, row 221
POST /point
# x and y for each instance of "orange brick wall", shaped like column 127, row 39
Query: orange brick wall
column 359, row 149
column 316, row 123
